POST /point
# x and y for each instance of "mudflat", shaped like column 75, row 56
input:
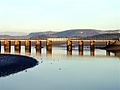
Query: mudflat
column 10, row 64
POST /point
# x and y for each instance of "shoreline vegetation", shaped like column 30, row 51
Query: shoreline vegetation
column 10, row 64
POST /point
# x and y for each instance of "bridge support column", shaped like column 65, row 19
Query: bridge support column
column 107, row 51
column 0, row 46
column 92, row 48
column 28, row 46
column 69, row 47
column 49, row 47
column 17, row 46
column 38, row 47
column 107, row 43
column 7, row 46
column 80, row 47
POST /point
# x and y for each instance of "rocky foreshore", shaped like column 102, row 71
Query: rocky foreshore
column 10, row 64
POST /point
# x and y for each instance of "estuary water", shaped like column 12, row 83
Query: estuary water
column 61, row 72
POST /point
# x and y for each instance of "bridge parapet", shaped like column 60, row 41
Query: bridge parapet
column 57, row 39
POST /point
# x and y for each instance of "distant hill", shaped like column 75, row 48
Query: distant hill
column 84, row 33
column 41, row 35
column 110, row 35
column 78, row 33
column 67, row 33
column 13, row 37
column 14, row 33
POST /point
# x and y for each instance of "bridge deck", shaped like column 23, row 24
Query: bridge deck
column 60, row 40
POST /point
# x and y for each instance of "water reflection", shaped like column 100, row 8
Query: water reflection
column 10, row 64
column 117, row 53
column 27, row 53
column 38, row 53
column 79, row 72
column 107, row 53
column 80, row 53
column 59, row 51
column 49, row 53
column 92, row 53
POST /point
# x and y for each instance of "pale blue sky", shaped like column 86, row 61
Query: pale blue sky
column 58, row 15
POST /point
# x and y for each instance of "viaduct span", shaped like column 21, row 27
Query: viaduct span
column 110, row 44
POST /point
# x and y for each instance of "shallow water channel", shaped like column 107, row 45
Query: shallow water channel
column 61, row 72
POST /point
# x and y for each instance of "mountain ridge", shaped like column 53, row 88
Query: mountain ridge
column 77, row 33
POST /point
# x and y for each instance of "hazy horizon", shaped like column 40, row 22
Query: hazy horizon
column 27, row 32
column 54, row 15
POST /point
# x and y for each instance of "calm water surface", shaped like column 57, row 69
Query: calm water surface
column 61, row 72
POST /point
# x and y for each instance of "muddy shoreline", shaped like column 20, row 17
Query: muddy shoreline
column 10, row 64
